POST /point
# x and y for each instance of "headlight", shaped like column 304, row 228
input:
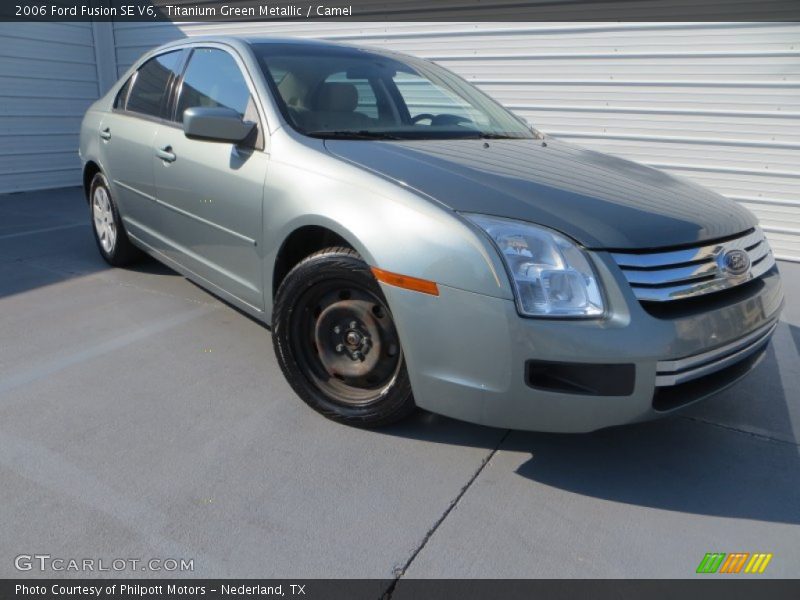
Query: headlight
column 551, row 275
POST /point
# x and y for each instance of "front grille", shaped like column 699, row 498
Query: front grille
column 685, row 380
column 674, row 396
column 675, row 372
column 690, row 272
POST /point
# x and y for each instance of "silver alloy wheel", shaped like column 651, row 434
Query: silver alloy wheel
column 104, row 224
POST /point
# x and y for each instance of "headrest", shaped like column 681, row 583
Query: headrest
column 336, row 97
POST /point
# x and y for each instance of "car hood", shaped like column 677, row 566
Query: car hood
column 599, row 200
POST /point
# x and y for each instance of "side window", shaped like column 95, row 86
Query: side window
column 119, row 101
column 150, row 86
column 367, row 103
column 213, row 78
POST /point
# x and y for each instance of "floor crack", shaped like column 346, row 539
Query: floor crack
column 400, row 572
column 754, row 434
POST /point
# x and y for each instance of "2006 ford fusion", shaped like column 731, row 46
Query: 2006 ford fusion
column 412, row 243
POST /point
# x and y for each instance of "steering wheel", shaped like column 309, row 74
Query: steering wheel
column 448, row 119
column 422, row 117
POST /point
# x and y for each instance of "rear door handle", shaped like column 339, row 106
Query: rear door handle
column 166, row 154
column 105, row 133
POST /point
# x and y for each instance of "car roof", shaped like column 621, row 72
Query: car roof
column 248, row 40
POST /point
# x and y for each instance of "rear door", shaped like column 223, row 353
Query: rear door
column 127, row 135
column 210, row 193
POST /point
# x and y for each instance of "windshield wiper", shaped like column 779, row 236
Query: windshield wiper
column 354, row 135
column 365, row 134
column 498, row 136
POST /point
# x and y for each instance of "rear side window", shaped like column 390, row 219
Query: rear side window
column 213, row 78
column 148, row 95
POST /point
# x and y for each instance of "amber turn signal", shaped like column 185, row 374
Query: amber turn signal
column 406, row 282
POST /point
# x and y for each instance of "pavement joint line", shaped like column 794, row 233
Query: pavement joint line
column 72, row 273
column 16, row 260
column 19, row 211
column 760, row 436
column 64, row 361
column 399, row 573
column 126, row 284
column 99, row 274
column 52, row 470
column 8, row 236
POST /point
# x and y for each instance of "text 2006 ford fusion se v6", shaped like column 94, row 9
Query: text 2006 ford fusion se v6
column 412, row 243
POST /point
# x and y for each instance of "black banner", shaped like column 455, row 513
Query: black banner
column 402, row 589
column 399, row 10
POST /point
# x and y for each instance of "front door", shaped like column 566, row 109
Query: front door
column 210, row 193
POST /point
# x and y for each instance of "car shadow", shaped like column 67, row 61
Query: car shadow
column 795, row 331
column 48, row 240
column 683, row 463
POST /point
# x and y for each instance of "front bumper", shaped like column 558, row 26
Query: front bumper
column 469, row 354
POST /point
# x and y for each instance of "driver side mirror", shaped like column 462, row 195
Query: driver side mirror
column 215, row 124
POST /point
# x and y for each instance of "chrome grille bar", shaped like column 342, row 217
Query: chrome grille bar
column 678, row 274
column 674, row 372
column 656, row 260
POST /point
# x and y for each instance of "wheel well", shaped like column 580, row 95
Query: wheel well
column 89, row 171
column 302, row 242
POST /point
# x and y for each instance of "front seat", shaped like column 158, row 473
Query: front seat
column 333, row 107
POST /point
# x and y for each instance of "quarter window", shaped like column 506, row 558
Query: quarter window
column 213, row 78
column 119, row 101
column 148, row 95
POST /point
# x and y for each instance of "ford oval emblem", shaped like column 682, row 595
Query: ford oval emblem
column 735, row 262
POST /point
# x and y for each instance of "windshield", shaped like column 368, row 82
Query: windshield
column 334, row 92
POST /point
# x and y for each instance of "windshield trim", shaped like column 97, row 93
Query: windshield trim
column 400, row 135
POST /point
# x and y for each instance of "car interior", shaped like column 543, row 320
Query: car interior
column 365, row 97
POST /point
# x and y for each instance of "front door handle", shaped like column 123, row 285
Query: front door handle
column 166, row 154
column 105, row 133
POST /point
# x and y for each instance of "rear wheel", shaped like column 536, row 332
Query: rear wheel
column 337, row 343
column 109, row 233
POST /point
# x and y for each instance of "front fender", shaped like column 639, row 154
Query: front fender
column 392, row 227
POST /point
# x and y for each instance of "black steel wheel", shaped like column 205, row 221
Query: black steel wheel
column 337, row 343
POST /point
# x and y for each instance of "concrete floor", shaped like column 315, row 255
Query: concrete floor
column 140, row 417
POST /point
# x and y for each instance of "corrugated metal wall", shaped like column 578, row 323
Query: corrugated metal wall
column 48, row 77
column 715, row 102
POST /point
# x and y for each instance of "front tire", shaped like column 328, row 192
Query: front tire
column 336, row 341
column 109, row 232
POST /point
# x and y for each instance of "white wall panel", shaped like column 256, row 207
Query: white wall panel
column 48, row 78
column 718, row 103
column 715, row 102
